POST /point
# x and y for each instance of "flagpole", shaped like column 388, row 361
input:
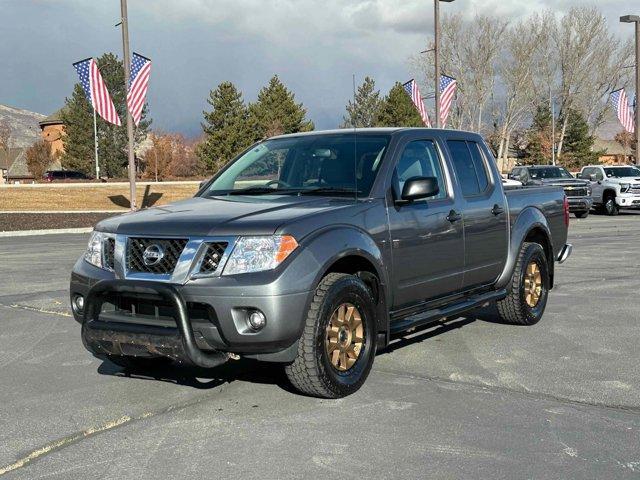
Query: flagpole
column 95, row 143
column 127, row 75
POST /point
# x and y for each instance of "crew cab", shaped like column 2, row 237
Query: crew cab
column 578, row 192
column 314, row 250
column 614, row 187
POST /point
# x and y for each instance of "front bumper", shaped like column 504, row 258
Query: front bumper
column 565, row 253
column 158, row 316
column 626, row 200
column 580, row 204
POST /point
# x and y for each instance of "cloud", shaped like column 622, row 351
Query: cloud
column 314, row 45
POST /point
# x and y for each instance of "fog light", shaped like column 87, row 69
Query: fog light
column 257, row 320
column 78, row 303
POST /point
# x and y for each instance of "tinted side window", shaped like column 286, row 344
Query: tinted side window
column 470, row 171
column 420, row 159
column 478, row 162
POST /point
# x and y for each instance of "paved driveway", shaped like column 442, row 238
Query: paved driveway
column 472, row 399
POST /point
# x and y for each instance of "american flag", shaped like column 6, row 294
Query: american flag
column 138, row 85
column 411, row 87
column 447, row 92
column 623, row 111
column 96, row 90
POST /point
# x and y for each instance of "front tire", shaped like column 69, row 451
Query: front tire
column 581, row 214
column 136, row 364
column 529, row 289
column 610, row 206
column 338, row 344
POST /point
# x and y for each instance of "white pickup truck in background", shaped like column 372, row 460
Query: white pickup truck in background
column 613, row 187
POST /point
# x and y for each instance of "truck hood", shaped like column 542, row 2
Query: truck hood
column 624, row 179
column 235, row 215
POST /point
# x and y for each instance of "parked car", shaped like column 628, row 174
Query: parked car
column 578, row 191
column 613, row 187
column 312, row 250
column 64, row 175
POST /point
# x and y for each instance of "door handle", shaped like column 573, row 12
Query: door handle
column 497, row 210
column 454, row 216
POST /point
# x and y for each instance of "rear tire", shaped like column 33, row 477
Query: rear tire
column 340, row 320
column 581, row 214
column 529, row 289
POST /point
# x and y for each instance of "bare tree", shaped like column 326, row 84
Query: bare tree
column 469, row 52
column 517, row 66
column 39, row 158
column 584, row 44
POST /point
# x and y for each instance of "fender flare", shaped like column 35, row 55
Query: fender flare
column 529, row 219
column 348, row 241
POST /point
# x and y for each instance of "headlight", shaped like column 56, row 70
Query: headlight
column 624, row 187
column 93, row 255
column 255, row 254
column 589, row 190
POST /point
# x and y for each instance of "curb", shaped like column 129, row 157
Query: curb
column 50, row 212
column 28, row 233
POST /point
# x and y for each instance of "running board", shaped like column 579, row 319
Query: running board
column 435, row 315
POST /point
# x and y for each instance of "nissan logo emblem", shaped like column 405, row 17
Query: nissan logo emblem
column 152, row 255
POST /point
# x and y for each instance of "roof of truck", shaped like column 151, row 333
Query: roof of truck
column 366, row 131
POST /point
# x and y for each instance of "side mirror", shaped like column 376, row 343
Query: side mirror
column 416, row 188
column 579, row 175
column 202, row 184
column 593, row 177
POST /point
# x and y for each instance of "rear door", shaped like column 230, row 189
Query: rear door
column 484, row 210
column 427, row 242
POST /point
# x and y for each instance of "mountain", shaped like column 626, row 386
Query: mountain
column 23, row 124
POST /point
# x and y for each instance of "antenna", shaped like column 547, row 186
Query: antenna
column 355, row 140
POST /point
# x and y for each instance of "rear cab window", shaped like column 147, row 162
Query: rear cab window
column 470, row 167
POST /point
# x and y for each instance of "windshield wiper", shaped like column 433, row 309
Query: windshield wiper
column 261, row 191
column 325, row 190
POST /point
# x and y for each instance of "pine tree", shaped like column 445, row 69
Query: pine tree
column 578, row 142
column 112, row 140
column 397, row 110
column 225, row 127
column 538, row 149
column 276, row 112
column 363, row 112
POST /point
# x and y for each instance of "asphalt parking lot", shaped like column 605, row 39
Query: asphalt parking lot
column 472, row 399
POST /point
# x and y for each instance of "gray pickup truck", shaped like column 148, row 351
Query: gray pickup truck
column 314, row 250
column 578, row 191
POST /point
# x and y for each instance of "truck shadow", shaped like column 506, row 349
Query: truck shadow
column 253, row 371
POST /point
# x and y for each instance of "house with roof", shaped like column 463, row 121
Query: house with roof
column 614, row 152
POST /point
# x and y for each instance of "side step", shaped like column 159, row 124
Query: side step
column 434, row 315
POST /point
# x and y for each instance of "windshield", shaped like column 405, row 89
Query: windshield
column 549, row 172
column 310, row 164
column 620, row 172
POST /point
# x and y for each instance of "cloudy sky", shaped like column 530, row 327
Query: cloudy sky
column 314, row 45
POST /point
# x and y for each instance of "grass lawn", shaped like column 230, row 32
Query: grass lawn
column 114, row 197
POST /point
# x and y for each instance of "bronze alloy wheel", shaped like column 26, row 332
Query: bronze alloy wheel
column 345, row 337
column 532, row 284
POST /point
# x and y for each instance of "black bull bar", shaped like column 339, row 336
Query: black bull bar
column 108, row 337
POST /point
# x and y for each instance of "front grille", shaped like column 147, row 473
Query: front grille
column 170, row 249
column 635, row 189
column 212, row 257
column 575, row 192
column 109, row 253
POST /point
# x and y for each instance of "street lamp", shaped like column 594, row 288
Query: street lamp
column 636, row 19
column 436, row 49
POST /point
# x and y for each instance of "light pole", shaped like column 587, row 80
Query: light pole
column 436, row 52
column 636, row 19
column 127, row 76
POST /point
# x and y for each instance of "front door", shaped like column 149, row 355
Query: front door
column 428, row 243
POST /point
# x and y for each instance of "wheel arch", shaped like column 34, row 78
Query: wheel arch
column 530, row 226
